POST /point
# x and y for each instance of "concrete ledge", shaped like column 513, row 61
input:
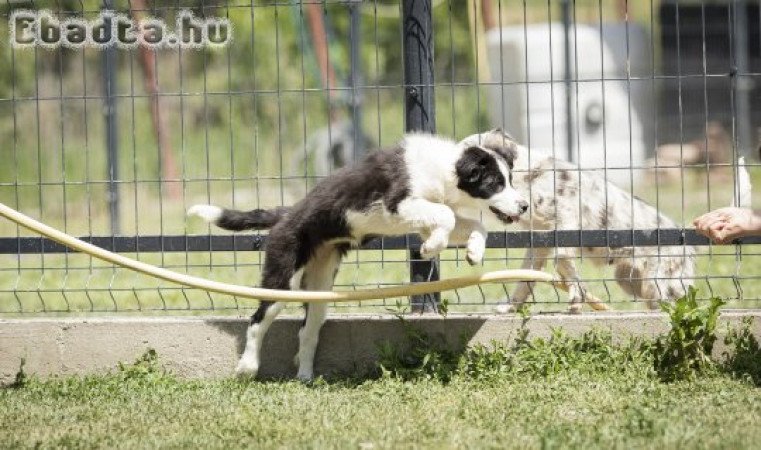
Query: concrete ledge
column 209, row 346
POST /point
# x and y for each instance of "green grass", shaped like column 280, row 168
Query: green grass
column 568, row 410
column 556, row 393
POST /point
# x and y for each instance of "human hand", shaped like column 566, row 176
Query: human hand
column 727, row 224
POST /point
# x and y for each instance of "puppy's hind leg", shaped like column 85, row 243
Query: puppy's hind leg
column 309, row 336
column 534, row 259
column 319, row 274
column 578, row 294
column 248, row 365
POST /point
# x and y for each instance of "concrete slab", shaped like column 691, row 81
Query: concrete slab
column 209, row 346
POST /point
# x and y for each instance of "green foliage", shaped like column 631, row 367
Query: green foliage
column 145, row 368
column 21, row 378
column 593, row 352
column 686, row 349
column 743, row 358
column 421, row 356
column 683, row 353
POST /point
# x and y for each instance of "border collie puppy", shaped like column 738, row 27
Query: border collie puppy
column 425, row 185
column 562, row 197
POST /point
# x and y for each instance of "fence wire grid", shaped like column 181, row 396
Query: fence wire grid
column 659, row 96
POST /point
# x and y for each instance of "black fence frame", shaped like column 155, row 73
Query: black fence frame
column 519, row 239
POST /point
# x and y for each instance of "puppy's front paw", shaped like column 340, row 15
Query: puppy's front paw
column 247, row 368
column 432, row 247
column 475, row 249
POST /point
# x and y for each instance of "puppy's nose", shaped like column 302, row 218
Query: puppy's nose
column 523, row 206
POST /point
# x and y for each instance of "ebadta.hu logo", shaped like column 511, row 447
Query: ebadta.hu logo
column 42, row 28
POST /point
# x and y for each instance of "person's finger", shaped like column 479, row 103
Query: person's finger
column 718, row 224
column 733, row 232
column 699, row 219
column 710, row 222
column 715, row 232
column 709, row 217
column 726, row 233
column 717, row 235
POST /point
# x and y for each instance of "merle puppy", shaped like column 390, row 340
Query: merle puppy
column 426, row 185
column 563, row 197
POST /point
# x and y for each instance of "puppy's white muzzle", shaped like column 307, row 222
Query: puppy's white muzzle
column 508, row 205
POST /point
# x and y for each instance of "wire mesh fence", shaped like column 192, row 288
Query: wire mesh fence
column 659, row 98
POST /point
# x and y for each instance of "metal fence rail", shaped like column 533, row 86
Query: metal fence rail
column 115, row 144
column 521, row 239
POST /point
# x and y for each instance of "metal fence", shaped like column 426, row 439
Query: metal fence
column 114, row 144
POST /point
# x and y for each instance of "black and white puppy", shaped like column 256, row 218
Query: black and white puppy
column 427, row 185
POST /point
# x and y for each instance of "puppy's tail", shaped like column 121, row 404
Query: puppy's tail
column 743, row 188
column 230, row 219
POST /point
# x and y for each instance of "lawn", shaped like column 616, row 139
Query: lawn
column 582, row 393
column 568, row 410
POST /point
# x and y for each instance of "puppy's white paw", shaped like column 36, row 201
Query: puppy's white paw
column 209, row 213
column 432, row 247
column 305, row 375
column 475, row 249
column 247, row 368
column 653, row 305
column 504, row 308
column 575, row 308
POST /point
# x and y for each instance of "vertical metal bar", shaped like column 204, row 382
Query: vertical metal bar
column 743, row 83
column 109, row 87
column 566, row 11
column 418, row 65
column 356, row 79
column 419, row 113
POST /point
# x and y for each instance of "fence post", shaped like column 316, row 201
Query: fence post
column 569, row 123
column 109, row 112
column 355, row 21
column 419, row 113
column 742, row 83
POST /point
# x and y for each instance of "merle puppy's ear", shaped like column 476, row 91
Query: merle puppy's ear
column 506, row 150
column 499, row 131
column 510, row 155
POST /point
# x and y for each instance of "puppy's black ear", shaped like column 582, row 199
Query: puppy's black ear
column 475, row 173
column 470, row 167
